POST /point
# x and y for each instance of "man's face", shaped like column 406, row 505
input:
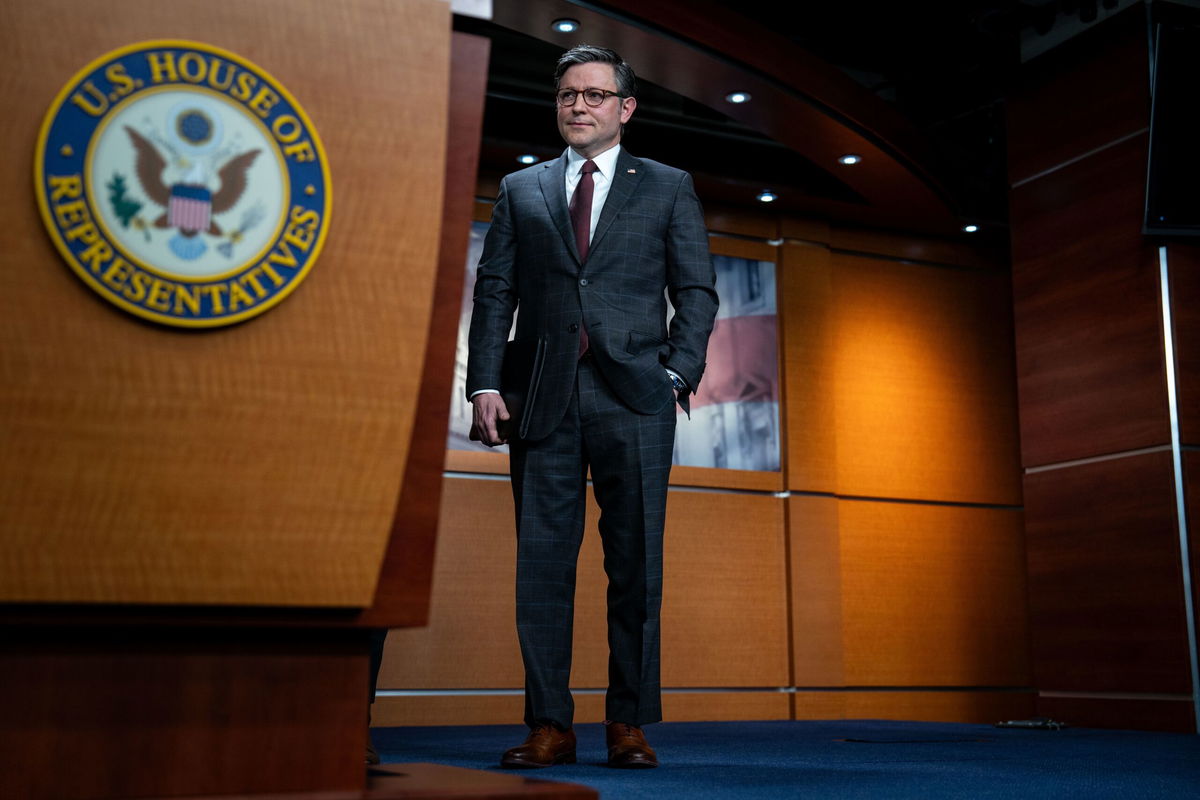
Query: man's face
column 591, row 131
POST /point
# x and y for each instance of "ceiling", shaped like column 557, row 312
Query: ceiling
column 915, row 88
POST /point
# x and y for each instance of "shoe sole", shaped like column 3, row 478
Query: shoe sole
column 520, row 763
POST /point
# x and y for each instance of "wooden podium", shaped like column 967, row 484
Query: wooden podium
column 197, row 527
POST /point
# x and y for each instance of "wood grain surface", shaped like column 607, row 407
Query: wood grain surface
column 254, row 465
column 933, row 596
column 1191, row 476
column 922, row 382
column 485, row 709
column 1088, row 318
column 1081, row 97
column 180, row 713
column 910, row 247
column 1105, row 579
column 980, row 707
column 1175, row 715
column 809, row 333
column 818, row 642
column 1183, row 263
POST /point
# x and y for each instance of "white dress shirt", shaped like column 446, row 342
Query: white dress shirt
column 606, row 164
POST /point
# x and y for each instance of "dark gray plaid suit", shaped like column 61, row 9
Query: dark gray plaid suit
column 612, row 411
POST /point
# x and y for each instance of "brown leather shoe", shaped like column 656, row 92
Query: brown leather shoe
column 545, row 747
column 627, row 747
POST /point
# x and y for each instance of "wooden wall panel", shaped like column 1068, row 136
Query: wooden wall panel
column 469, row 709
column 1191, row 477
column 742, row 248
column 819, row 705
column 471, row 639
column 724, row 612
column 1089, row 328
column 737, row 479
column 1085, row 95
column 817, row 642
column 806, row 315
column 906, row 247
column 721, row 706
column 1152, row 714
column 1106, row 598
column 227, row 713
column 1184, row 267
column 258, row 464
column 507, row 709
column 803, row 229
column 933, row 596
column 978, row 706
column 703, row 477
column 737, row 222
column 1109, row 637
column 923, row 390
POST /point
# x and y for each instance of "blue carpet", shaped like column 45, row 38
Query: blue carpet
column 843, row 759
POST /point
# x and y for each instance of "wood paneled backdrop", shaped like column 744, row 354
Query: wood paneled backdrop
column 1108, row 626
column 879, row 574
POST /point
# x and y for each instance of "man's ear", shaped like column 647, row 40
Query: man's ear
column 628, row 104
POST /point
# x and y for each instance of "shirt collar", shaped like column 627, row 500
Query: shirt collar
column 606, row 162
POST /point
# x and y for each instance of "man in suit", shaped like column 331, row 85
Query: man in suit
column 585, row 246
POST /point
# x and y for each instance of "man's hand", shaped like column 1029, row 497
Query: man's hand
column 489, row 414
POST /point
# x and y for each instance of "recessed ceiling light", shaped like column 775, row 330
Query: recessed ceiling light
column 850, row 159
column 970, row 228
column 738, row 97
column 565, row 25
column 528, row 158
column 767, row 196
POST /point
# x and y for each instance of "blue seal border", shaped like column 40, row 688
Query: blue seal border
column 62, row 150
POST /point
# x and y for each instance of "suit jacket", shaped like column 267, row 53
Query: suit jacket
column 650, row 237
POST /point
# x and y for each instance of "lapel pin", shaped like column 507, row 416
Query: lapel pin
column 631, row 171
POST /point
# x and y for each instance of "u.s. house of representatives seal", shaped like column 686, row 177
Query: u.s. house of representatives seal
column 183, row 183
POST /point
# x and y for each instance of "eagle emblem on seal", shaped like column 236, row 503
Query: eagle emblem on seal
column 189, row 205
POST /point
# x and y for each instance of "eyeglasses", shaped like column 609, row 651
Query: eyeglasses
column 592, row 97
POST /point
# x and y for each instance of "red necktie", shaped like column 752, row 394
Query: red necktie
column 581, row 221
column 581, row 208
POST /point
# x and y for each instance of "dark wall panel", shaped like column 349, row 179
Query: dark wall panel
column 1080, row 97
column 1088, row 323
column 1132, row 714
column 1106, row 599
column 1184, row 264
column 1191, row 474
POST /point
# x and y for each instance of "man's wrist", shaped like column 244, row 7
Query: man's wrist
column 483, row 391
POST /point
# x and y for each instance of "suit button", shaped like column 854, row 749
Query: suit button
column 583, row 281
column 573, row 327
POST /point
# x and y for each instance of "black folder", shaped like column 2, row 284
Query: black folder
column 519, row 377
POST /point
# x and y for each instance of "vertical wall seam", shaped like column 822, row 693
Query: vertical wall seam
column 781, row 337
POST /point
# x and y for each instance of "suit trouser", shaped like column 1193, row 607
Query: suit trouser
column 630, row 458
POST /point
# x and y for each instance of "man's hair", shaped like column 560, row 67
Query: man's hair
column 586, row 54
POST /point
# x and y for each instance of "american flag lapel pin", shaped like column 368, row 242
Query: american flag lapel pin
column 631, row 171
